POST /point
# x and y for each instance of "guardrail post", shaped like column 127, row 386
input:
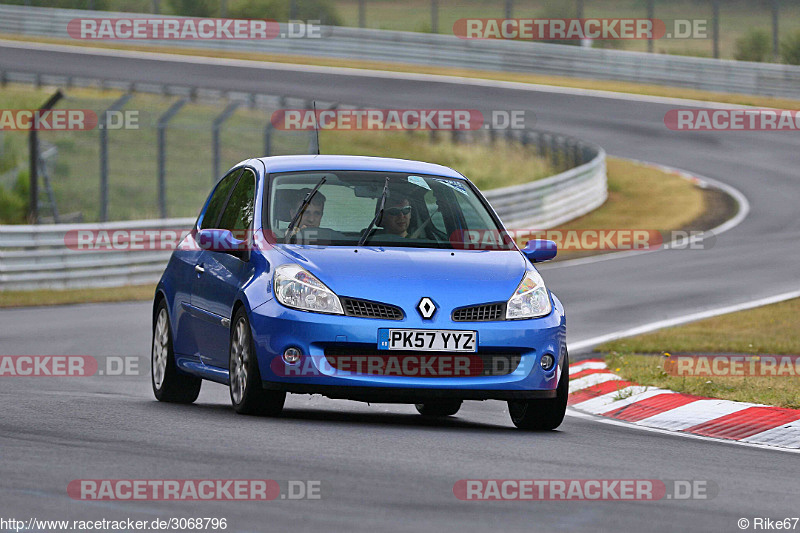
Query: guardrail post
column 509, row 9
column 715, row 22
column 215, row 127
column 434, row 16
column 651, row 9
column 33, row 147
column 163, row 121
column 775, row 46
column 102, row 126
column 268, row 139
column 362, row 13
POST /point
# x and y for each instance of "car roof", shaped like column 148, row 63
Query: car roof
column 290, row 163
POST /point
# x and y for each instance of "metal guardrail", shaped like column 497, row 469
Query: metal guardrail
column 446, row 50
column 35, row 257
column 552, row 201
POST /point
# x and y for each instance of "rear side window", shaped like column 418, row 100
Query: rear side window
column 238, row 214
column 218, row 199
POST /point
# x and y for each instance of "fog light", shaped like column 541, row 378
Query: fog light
column 548, row 361
column 291, row 355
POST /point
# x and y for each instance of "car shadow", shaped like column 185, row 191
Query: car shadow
column 292, row 415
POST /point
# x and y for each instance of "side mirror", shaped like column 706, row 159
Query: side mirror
column 538, row 250
column 221, row 240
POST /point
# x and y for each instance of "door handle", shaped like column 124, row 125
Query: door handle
column 199, row 269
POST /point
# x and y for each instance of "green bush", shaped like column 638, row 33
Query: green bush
column 100, row 5
column 195, row 8
column 790, row 49
column 756, row 45
column 14, row 202
column 280, row 10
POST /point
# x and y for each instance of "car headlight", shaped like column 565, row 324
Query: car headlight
column 298, row 288
column 530, row 300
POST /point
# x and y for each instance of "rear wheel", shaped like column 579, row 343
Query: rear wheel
column 439, row 408
column 542, row 415
column 169, row 384
column 247, row 393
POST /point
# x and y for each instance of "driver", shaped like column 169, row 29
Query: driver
column 397, row 216
column 312, row 216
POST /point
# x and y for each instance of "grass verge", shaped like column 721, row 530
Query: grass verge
column 768, row 330
column 76, row 296
column 640, row 197
column 559, row 81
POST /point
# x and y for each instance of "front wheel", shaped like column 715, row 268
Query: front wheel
column 247, row 393
column 439, row 408
column 169, row 384
column 543, row 415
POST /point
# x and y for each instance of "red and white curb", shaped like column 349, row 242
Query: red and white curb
column 596, row 390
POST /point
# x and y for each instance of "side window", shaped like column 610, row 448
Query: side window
column 238, row 215
column 218, row 199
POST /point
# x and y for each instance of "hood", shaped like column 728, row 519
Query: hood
column 403, row 276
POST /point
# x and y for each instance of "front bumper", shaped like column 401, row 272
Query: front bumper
column 276, row 328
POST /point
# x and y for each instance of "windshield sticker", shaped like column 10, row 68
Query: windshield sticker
column 417, row 180
column 454, row 185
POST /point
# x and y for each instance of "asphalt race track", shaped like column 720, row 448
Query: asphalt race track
column 383, row 467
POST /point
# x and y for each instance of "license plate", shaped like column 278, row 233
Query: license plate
column 428, row 340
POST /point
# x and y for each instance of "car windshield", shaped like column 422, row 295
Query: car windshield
column 418, row 210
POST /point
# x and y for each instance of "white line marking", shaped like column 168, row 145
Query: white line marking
column 683, row 319
column 368, row 73
column 610, row 421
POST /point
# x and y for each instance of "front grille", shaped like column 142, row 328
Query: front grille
column 367, row 309
column 479, row 364
column 480, row 313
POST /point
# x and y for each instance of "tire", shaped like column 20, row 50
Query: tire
column 439, row 408
column 542, row 415
column 169, row 383
column 247, row 393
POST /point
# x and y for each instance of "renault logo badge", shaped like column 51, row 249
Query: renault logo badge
column 426, row 308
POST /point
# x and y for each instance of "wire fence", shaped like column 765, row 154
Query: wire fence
column 154, row 156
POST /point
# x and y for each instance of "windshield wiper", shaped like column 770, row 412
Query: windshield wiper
column 378, row 215
column 303, row 206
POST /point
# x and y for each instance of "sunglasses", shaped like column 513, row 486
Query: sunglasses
column 397, row 211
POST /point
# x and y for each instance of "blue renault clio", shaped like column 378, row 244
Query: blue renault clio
column 370, row 279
